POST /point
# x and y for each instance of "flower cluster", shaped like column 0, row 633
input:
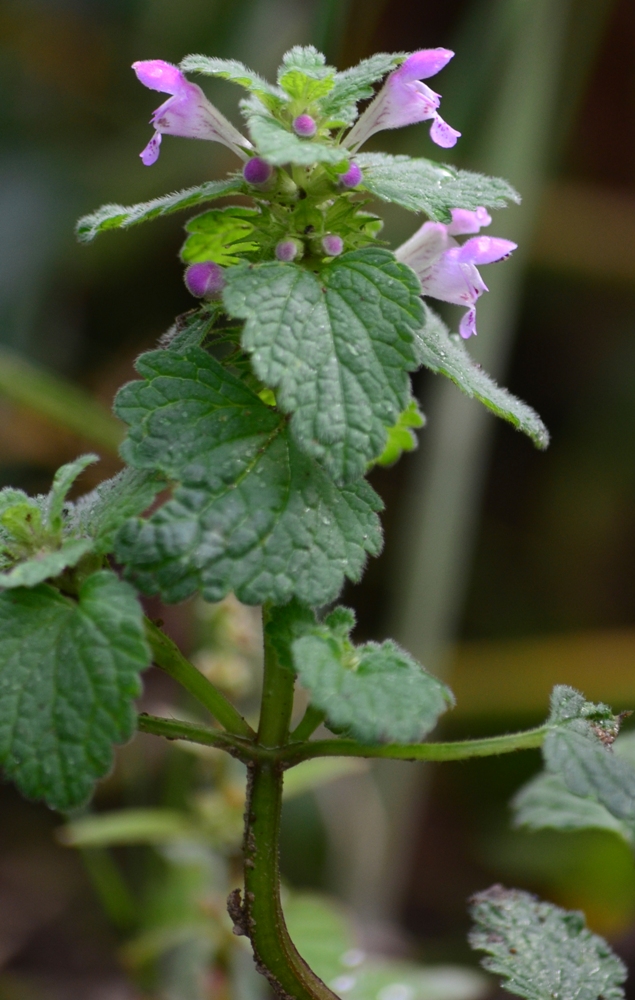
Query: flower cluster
column 447, row 269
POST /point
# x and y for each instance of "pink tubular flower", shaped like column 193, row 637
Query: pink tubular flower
column 446, row 268
column 404, row 100
column 186, row 113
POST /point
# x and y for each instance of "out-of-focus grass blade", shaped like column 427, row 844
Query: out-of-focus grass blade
column 60, row 401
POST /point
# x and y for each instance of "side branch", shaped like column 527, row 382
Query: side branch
column 295, row 753
column 173, row 729
column 168, row 656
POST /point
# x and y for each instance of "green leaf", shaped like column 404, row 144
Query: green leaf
column 375, row 692
column 545, row 802
column 285, row 624
column 277, row 144
column 99, row 514
column 445, row 354
column 191, row 328
column 306, row 59
column 122, row 216
column 251, row 513
column 423, row 186
column 400, row 436
column 542, row 951
column 578, row 747
column 219, row 234
column 335, row 347
column 32, row 532
column 301, row 87
column 62, row 482
column 69, row 671
column 356, row 84
column 46, row 565
column 234, row 71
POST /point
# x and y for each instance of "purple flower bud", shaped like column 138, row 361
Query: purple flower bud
column 205, row 280
column 187, row 112
column 332, row 245
column 288, row 250
column 304, row 126
column 352, row 177
column 257, row 171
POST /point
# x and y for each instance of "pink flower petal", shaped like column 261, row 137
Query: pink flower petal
column 451, row 280
column 464, row 221
column 485, row 250
column 150, row 154
column 442, row 133
column 425, row 247
column 159, row 75
column 424, row 63
column 467, row 326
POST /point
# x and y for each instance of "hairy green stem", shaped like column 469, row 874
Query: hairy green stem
column 312, row 718
column 260, row 915
column 169, row 657
column 174, row 729
column 295, row 752
column 461, row 750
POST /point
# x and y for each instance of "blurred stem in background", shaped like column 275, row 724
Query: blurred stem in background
column 517, row 85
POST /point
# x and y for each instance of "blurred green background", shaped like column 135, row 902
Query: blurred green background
column 504, row 569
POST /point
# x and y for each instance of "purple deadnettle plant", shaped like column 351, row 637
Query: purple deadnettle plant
column 250, row 432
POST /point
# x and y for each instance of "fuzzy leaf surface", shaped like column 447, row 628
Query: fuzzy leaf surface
column 445, row 354
column 278, row 145
column 251, row 513
column 401, row 436
column 541, row 950
column 62, row 483
column 356, row 84
column 579, row 749
column 232, row 70
column 218, row 235
column 69, row 671
column 424, row 186
column 100, row 513
column 45, row 565
column 335, row 347
column 307, row 60
column 376, row 692
column 123, row 216
column 545, row 802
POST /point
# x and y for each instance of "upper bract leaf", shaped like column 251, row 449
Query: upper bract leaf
column 445, row 354
column 251, row 513
column 578, row 747
column 307, row 60
column 423, row 186
column 336, row 347
column 122, row 216
column 219, row 234
column 234, row 71
column 69, row 671
column 278, row 145
column 543, row 951
column 355, row 84
column 377, row 693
